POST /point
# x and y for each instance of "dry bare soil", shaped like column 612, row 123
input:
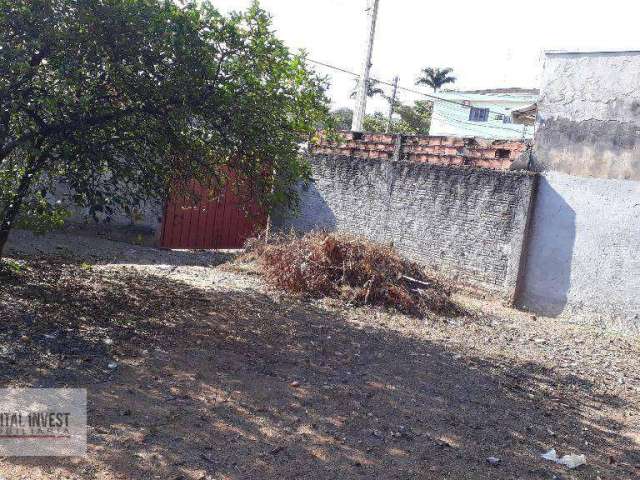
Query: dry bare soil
column 220, row 378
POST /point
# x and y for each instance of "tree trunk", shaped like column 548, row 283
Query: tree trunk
column 10, row 213
column 4, row 236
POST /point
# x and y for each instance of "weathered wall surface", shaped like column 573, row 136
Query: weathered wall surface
column 583, row 259
column 589, row 115
column 584, row 249
column 467, row 224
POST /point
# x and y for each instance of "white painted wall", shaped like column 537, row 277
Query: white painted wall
column 591, row 86
column 583, row 258
column 589, row 114
column 584, row 250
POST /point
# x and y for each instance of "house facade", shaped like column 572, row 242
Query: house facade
column 482, row 113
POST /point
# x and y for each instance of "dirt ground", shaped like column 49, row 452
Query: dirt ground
column 220, row 378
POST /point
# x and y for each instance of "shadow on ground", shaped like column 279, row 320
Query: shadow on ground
column 82, row 246
column 234, row 385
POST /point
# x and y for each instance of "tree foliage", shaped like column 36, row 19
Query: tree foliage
column 436, row 78
column 118, row 100
column 413, row 119
column 341, row 119
column 408, row 119
column 372, row 89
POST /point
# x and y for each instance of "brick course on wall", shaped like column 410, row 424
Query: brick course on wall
column 468, row 224
column 473, row 152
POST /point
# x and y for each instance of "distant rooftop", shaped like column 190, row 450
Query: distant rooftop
column 591, row 52
column 517, row 90
column 526, row 96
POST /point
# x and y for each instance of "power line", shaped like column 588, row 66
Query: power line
column 410, row 90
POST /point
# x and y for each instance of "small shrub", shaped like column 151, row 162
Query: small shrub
column 9, row 266
column 352, row 268
column 87, row 267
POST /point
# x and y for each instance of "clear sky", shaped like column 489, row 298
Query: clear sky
column 489, row 43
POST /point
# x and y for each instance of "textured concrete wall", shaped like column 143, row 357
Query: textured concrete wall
column 584, row 250
column 583, row 260
column 589, row 115
column 467, row 224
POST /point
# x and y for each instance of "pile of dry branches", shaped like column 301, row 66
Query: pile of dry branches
column 352, row 268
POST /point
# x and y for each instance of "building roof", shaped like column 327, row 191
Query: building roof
column 524, row 96
column 511, row 90
column 590, row 52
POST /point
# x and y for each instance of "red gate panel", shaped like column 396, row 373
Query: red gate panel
column 214, row 222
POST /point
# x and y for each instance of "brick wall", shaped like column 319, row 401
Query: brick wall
column 466, row 223
column 474, row 152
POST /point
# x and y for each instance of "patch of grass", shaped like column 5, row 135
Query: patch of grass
column 11, row 267
column 87, row 267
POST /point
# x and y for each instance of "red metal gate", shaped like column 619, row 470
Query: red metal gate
column 212, row 223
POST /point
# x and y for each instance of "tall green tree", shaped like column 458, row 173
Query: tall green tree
column 341, row 119
column 408, row 119
column 118, row 101
column 436, row 78
column 413, row 119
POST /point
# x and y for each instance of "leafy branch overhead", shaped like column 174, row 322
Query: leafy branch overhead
column 116, row 100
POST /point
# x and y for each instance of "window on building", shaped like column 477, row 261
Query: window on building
column 478, row 114
column 507, row 119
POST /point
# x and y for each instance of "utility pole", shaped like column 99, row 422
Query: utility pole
column 363, row 84
column 392, row 103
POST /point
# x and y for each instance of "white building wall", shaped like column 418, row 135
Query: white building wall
column 450, row 118
column 583, row 260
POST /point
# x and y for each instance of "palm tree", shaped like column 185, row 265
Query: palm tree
column 436, row 77
column 372, row 89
